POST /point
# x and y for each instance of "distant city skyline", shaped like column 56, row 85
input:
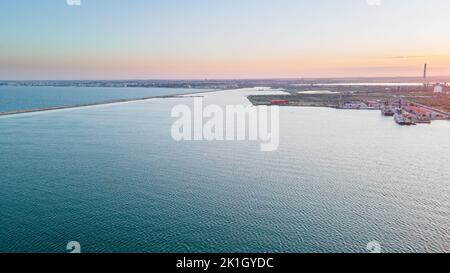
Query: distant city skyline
column 202, row 39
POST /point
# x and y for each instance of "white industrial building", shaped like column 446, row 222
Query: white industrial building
column 438, row 88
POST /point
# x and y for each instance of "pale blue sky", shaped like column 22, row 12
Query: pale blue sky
column 108, row 39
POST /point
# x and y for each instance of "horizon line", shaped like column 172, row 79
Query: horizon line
column 229, row 79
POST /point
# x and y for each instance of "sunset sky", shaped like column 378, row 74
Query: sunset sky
column 186, row 39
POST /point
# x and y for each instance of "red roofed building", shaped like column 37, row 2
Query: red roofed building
column 279, row 102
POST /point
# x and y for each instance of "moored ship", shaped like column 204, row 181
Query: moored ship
column 403, row 118
column 387, row 110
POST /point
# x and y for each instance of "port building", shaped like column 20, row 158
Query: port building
column 438, row 89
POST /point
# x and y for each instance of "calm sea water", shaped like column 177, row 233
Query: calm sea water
column 111, row 178
column 21, row 97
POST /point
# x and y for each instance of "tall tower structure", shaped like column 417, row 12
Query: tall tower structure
column 425, row 83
